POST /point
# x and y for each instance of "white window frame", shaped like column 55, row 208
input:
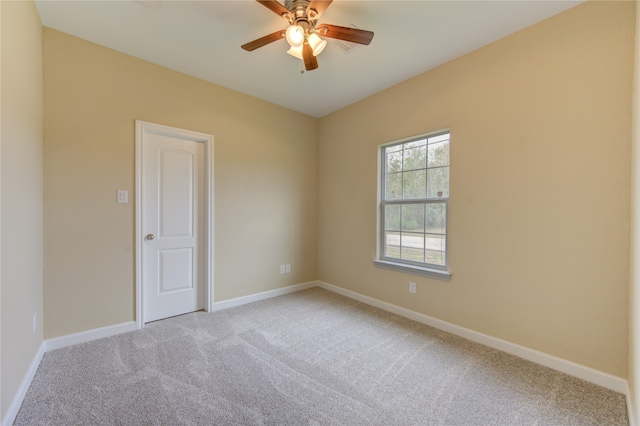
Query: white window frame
column 403, row 265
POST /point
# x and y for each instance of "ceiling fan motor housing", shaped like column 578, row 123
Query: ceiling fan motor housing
column 299, row 10
column 294, row 5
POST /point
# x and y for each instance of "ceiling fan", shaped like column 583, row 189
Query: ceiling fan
column 303, row 33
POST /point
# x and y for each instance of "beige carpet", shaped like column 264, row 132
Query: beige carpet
column 308, row 358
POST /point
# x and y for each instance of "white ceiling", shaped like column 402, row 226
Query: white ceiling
column 203, row 39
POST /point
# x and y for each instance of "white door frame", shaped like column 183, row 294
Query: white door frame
column 143, row 127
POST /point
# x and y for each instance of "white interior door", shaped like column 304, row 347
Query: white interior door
column 172, row 224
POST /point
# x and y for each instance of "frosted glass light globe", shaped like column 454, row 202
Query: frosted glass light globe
column 295, row 36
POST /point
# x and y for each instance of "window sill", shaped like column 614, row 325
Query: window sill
column 415, row 270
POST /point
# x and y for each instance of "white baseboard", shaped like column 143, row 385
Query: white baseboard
column 588, row 374
column 112, row 330
column 238, row 301
column 14, row 407
column 89, row 335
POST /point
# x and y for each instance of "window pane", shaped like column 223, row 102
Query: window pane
column 436, row 218
column 393, row 148
column 413, row 254
column 413, row 217
column 392, row 217
column 412, row 247
column 435, row 249
column 419, row 142
column 438, row 181
column 439, row 154
column 394, row 161
column 415, row 158
column 394, row 187
column 392, row 244
column 415, row 185
column 439, row 138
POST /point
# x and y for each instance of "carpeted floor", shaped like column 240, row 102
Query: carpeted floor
column 308, row 358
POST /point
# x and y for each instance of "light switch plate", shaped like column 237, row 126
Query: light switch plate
column 123, row 196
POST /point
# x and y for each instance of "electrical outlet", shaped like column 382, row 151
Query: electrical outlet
column 35, row 322
column 282, row 269
column 412, row 287
column 288, row 269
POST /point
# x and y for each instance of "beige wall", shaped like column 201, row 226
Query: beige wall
column 265, row 171
column 539, row 211
column 634, row 294
column 21, row 166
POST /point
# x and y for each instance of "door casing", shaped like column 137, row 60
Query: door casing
column 143, row 127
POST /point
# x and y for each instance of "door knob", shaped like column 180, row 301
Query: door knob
column 149, row 237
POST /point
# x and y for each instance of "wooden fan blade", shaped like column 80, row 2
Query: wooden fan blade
column 263, row 41
column 353, row 35
column 277, row 8
column 318, row 6
column 310, row 61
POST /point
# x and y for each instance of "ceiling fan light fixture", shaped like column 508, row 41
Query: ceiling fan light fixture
column 303, row 32
column 296, row 52
column 295, row 36
column 316, row 43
